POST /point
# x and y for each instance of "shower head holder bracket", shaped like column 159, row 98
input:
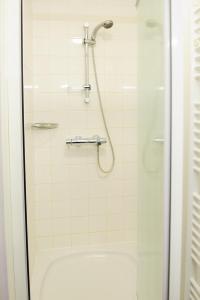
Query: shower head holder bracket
column 89, row 42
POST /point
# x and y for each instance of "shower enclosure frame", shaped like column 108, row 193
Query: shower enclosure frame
column 13, row 242
column 12, row 159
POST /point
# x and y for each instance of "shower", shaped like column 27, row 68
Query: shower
column 93, row 152
column 87, row 86
column 106, row 24
column 96, row 140
column 91, row 41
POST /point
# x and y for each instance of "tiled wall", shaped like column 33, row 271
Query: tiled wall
column 70, row 202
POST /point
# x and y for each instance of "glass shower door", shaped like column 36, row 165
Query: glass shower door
column 94, row 98
column 153, row 143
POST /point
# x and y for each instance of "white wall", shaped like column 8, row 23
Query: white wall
column 3, row 260
column 3, row 263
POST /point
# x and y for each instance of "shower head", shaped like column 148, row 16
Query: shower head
column 106, row 24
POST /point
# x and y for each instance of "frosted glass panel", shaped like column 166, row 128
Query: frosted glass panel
column 151, row 128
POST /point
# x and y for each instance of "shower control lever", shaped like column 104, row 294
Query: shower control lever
column 78, row 140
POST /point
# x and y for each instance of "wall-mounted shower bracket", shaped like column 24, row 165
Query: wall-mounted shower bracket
column 86, row 42
column 89, row 42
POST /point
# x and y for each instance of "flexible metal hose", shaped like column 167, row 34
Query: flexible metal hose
column 110, row 169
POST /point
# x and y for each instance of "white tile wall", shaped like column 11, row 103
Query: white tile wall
column 74, row 204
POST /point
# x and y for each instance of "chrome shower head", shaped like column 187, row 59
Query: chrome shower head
column 106, row 24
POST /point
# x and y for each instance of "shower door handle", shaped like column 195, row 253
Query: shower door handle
column 159, row 140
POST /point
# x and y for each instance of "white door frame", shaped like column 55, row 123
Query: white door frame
column 179, row 18
column 11, row 144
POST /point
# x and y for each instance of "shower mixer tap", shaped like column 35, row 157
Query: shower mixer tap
column 78, row 140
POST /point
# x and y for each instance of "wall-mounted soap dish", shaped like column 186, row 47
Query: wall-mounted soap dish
column 44, row 125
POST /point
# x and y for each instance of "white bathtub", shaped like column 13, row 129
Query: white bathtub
column 86, row 273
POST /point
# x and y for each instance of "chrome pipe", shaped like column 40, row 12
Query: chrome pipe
column 78, row 140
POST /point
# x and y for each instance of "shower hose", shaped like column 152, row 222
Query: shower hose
column 110, row 169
